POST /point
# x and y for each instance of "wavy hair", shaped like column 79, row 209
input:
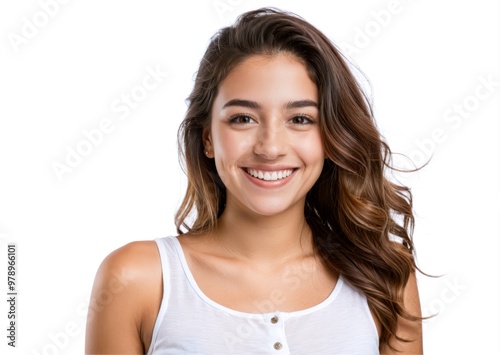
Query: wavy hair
column 353, row 210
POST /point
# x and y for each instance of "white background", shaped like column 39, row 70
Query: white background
column 425, row 60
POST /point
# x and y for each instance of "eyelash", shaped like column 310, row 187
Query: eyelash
column 309, row 120
column 233, row 119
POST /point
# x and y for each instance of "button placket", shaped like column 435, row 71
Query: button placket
column 278, row 331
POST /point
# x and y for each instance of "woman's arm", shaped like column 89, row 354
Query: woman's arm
column 408, row 329
column 125, row 300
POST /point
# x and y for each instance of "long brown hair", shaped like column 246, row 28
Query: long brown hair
column 354, row 211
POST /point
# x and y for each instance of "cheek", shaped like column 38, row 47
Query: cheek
column 310, row 148
column 230, row 145
column 229, row 148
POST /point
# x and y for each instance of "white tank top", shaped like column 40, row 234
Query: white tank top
column 188, row 322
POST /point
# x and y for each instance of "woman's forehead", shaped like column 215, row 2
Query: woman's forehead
column 267, row 80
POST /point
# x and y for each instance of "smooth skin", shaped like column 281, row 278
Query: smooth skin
column 264, row 118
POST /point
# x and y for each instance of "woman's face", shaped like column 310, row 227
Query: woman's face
column 265, row 135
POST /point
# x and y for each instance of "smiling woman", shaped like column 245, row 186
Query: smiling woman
column 291, row 247
column 264, row 123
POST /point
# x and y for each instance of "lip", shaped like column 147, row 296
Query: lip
column 269, row 183
column 269, row 167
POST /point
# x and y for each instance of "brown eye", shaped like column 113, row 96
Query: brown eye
column 301, row 120
column 241, row 119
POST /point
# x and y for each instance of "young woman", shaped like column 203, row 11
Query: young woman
column 291, row 240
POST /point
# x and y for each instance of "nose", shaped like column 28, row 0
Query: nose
column 271, row 142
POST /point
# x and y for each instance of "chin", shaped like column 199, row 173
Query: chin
column 269, row 209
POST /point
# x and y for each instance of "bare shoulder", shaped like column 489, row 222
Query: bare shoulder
column 130, row 268
column 132, row 258
column 125, row 300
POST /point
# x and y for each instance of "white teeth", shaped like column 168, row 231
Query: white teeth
column 270, row 176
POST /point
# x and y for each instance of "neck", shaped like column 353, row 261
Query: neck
column 265, row 239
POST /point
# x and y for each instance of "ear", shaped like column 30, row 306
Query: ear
column 207, row 143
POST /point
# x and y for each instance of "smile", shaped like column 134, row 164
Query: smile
column 269, row 175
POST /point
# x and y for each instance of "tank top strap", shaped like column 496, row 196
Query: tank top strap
column 166, row 250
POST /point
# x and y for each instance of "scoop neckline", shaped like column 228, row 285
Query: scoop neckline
column 187, row 271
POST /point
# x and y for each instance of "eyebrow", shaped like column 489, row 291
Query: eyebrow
column 242, row 103
column 300, row 104
column 255, row 105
